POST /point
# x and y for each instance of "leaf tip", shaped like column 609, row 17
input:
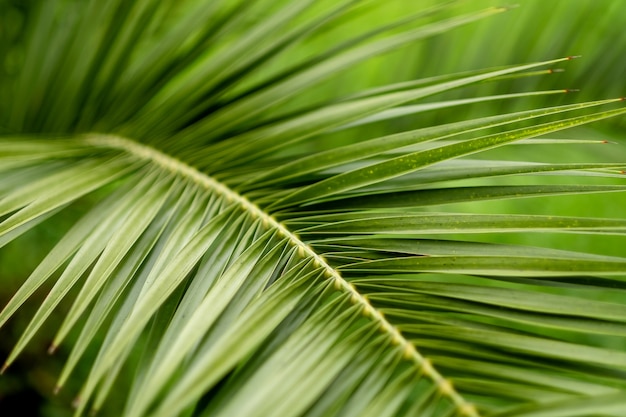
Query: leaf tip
column 4, row 368
column 77, row 402
column 52, row 349
column 569, row 58
column 571, row 90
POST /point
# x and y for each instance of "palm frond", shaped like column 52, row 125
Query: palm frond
column 231, row 262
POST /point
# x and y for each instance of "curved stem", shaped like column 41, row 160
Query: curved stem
column 180, row 168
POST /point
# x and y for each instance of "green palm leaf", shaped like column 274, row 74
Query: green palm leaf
column 234, row 257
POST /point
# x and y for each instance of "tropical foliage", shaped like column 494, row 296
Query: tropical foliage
column 237, row 239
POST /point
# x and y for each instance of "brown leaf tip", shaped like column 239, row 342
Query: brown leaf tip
column 77, row 401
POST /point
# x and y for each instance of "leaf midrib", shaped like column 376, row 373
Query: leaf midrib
column 178, row 167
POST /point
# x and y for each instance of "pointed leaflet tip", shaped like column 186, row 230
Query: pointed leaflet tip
column 573, row 57
column 76, row 402
column 52, row 348
column 555, row 70
column 56, row 390
column 571, row 90
column 4, row 368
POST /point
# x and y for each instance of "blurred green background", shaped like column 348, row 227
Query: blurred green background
column 536, row 30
